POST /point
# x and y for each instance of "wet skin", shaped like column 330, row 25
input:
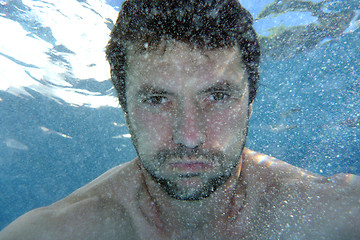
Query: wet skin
column 188, row 116
column 188, row 113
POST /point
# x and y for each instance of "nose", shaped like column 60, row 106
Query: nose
column 189, row 126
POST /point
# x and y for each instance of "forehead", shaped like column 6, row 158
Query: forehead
column 179, row 63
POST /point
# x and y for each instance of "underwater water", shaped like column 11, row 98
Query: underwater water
column 61, row 126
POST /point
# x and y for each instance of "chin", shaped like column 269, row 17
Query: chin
column 194, row 193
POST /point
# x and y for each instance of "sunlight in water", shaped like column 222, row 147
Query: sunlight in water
column 262, row 158
column 351, row 178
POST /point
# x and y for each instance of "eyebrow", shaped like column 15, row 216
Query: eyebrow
column 222, row 85
column 148, row 89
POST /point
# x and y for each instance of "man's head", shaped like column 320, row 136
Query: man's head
column 186, row 73
column 205, row 24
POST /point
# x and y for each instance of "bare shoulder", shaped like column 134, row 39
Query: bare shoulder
column 322, row 205
column 287, row 176
column 95, row 211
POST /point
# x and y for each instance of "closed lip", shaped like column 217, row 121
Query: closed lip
column 190, row 166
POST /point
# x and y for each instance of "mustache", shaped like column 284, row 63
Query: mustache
column 182, row 151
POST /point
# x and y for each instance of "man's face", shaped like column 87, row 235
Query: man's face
column 188, row 114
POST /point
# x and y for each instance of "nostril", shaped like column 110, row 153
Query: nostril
column 188, row 128
column 188, row 138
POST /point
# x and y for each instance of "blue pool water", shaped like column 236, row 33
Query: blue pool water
column 60, row 126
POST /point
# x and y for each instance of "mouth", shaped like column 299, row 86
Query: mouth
column 190, row 167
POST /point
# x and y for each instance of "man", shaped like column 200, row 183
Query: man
column 186, row 73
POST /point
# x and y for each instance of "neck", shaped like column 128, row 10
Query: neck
column 170, row 213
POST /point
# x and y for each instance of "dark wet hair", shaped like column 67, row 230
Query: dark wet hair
column 204, row 24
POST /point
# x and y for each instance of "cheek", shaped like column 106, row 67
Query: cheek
column 226, row 126
column 150, row 127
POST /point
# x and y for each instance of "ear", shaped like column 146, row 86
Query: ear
column 250, row 110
